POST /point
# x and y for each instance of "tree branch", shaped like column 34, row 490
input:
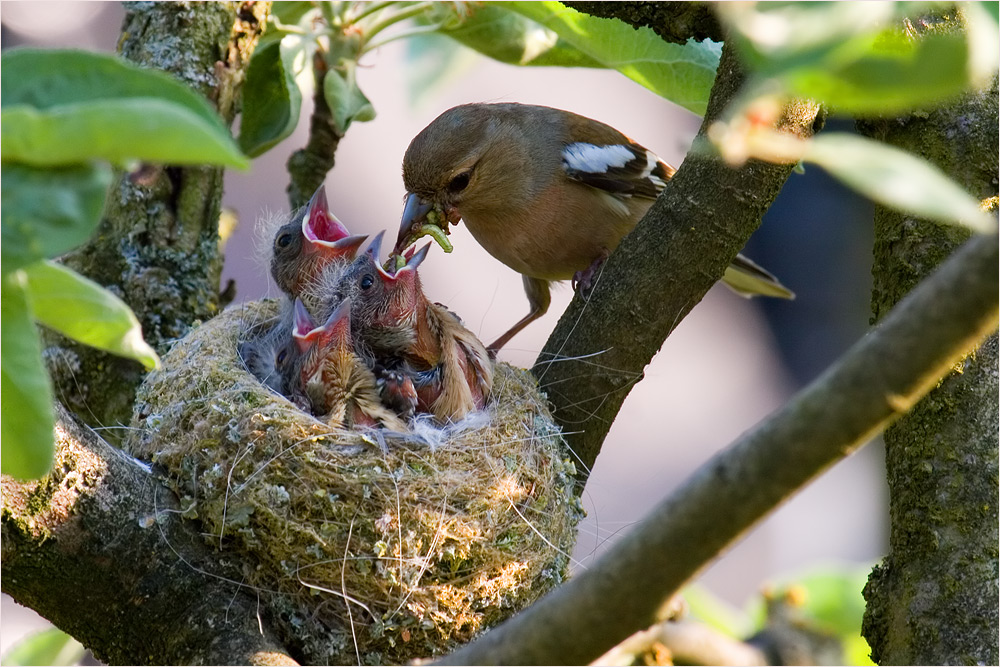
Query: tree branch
column 941, row 458
column 659, row 273
column 99, row 548
column 688, row 643
column 308, row 166
column 158, row 244
column 875, row 382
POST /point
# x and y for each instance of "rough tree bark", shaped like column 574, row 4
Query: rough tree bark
column 99, row 548
column 52, row 525
column 874, row 383
column 661, row 270
column 934, row 599
column 157, row 246
column 675, row 22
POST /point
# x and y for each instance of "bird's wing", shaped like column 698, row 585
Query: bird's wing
column 619, row 169
column 602, row 157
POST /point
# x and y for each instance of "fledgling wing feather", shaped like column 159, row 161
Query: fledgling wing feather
column 465, row 369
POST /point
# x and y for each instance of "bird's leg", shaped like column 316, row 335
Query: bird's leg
column 537, row 291
column 583, row 280
column 396, row 390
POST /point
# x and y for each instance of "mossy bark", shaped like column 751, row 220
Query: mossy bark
column 934, row 598
column 157, row 246
column 99, row 548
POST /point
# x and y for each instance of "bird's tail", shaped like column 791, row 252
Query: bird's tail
column 748, row 279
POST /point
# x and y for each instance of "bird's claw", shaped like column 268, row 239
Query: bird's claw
column 584, row 280
column 397, row 391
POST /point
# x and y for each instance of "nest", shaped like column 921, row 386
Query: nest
column 404, row 554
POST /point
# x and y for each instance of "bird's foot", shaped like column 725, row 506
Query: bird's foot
column 397, row 391
column 584, row 280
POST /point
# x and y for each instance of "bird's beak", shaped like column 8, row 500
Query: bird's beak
column 413, row 260
column 375, row 247
column 414, row 212
column 321, row 228
column 304, row 332
column 336, row 332
column 345, row 248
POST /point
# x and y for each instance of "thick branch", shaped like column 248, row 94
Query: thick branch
column 933, row 600
column 158, row 244
column 661, row 270
column 100, row 549
column 875, row 382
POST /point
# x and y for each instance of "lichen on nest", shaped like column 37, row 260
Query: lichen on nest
column 405, row 554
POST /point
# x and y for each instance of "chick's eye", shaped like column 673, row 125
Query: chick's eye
column 283, row 240
column 282, row 355
column 367, row 281
column 459, row 183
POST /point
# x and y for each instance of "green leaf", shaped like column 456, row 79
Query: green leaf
column 992, row 9
column 46, row 212
column 834, row 600
column 26, row 418
column 921, row 72
column 981, row 31
column 272, row 100
column 782, row 35
column 434, row 63
column 81, row 309
column 851, row 55
column 46, row 647
column 895, row 178
column 681, row 74
column 716, row 612
column 117, row 130
column 346, row 101
column 511, row 38
column 63, row 107
column 291, row 13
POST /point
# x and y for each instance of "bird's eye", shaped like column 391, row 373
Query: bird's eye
column 459, row 183
column 367, row 281
column 283, row 241
column 281, row 356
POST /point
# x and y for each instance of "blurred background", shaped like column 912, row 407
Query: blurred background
column 728, row 365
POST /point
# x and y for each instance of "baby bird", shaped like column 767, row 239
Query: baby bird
column 335, row 380
column 547, row 192
column 271, row 355
column 448, row 366
column 313, row 239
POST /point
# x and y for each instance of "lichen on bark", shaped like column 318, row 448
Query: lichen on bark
column 934, row 598
column 157, row 244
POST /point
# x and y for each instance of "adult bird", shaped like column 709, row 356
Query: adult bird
column 547, row 192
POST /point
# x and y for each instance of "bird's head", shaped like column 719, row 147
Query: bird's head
column 472, row 160
column 313, row 239
column 331, row 342
column 384, row 298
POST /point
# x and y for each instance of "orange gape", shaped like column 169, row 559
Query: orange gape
column 409, row 335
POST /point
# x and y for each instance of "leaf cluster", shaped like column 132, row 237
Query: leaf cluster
column 67, row 118
column 862, row 60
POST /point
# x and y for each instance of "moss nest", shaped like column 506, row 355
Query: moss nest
column 405, row 553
